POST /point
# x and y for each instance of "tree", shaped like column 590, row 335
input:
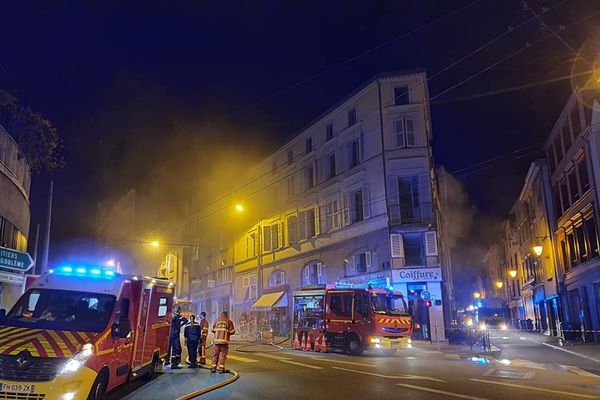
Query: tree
column 37, row 138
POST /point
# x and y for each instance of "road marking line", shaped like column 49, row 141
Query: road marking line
column 343, row 362
column 412, row 377
column 272, row 356
column 301, row 364
column 443, row 392
column 587, row 396
column 570, row 352
column 242, row 359
column 579, row 371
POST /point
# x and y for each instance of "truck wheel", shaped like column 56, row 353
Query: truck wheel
column 98, row 391
column 389, row 352
column 353, row 345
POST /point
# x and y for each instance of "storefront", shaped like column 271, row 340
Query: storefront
column 271, row 311
column 417, row 284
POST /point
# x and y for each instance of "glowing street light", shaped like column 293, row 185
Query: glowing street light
column 512, row 273
column 155, row 244
column 537, row 250
column 239, row 207
column 111, row 263
column 476, row 295
column 499, row 284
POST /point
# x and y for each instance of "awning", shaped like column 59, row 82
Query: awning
column 269, row 300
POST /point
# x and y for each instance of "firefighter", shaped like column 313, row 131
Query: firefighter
column 204, row 332
column 222, row 329
column 192, row 334
column 177, row 321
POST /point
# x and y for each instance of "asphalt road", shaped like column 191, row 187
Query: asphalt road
column 410, row 374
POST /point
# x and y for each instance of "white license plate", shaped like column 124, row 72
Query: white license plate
column 15, row 387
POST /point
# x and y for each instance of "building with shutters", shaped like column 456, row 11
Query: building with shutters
column 349, row 199
column 573, row 154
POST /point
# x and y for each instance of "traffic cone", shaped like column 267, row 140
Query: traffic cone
column 307, row 344
column 323, row 344
column 297, row 341
column 318, row 343
column 303, row 343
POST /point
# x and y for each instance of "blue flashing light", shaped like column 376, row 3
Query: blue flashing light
column 479, row 304
column 50, row 271
column 91, row 271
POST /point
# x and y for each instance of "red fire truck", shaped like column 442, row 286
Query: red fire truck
column 80, row 331
column 353, row 319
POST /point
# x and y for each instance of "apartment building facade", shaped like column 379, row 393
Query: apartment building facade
column 350, row 199
column 15, row 182
column 530, row 273
column 573, row 154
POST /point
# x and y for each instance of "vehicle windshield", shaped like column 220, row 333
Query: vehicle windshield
column 62, row 310
column 388, row 304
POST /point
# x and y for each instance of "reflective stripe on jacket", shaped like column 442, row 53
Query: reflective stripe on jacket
column 223, row 329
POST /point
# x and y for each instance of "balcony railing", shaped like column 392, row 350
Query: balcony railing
column 408, row 215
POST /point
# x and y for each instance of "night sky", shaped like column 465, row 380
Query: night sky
column 118, row 78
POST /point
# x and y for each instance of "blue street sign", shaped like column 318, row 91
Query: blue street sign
column 426, row 295
column 15, row 260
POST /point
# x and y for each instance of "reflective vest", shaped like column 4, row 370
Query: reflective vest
column 223, row 329
column 204, row 327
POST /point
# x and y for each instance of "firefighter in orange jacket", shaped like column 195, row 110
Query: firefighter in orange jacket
column 222, row 329
column 204, row 327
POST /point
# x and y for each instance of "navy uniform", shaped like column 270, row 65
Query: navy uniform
column 192, row 334
column 177, row 321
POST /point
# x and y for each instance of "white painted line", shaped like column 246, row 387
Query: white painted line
column 586, row 396
column 411, row 377
column 442, row 392
column 343, row 362
column 242, row 359
column 571, row 352
column 271, row 356
column 579, row 371
column 301, row 364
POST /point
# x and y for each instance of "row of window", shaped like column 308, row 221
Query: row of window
column 564, row 140
column 572, row 185
column 409, row 199
column 404, row 127
column 581, row 242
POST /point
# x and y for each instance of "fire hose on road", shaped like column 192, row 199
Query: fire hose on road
column 234, row 377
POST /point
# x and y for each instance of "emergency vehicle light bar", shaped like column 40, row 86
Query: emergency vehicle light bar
column 84, row 271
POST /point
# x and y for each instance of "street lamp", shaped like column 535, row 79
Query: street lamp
column 239, row 207
column 155, row 244
column 111, row 263
column 476, row 295
column 537, row 250
column 512, row 273
column 499, row 284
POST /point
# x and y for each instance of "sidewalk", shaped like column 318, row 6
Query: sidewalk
column 590, row 351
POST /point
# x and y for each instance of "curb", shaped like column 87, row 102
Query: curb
column 235, row 376
column 571, row 352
